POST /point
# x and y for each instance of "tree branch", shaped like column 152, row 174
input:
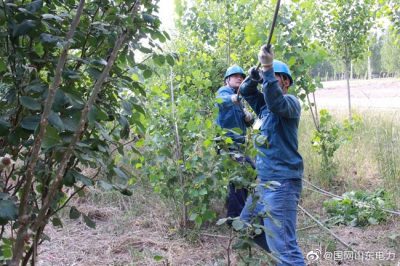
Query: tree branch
column 40, row 219
column 22, row 215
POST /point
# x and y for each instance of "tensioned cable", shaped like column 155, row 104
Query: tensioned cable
column 325, row 228
column 327, row 193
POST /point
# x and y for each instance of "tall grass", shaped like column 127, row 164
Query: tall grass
column 371, row 159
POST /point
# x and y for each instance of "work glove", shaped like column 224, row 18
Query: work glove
column 254, row 74
column 248, row 117
column 236, row 98
column 266, row 56
column 248, row 87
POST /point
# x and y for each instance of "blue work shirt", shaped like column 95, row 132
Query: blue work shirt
column 231, row 115
column 279, row 158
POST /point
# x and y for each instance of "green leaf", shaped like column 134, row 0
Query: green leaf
column 126, row 192
column 170, row 60
column 8, row 211
column 23, row 28
column 48, row 38
column 30, row 103
column 96, row 114
column 84, row 179
column 105, row 185
column 55, row 121
column 158, row 257
column 372, row 220
column 38, row 48
column 193, row 216
column 261, row 140
column 145, row 50
column 99, row 62
column 124, row 132
column 6, row 248
column 94, row 73
column 89, row 222
column 51, row 138
column 198, row 220
column 36, row 86
column 258, row 231
column 72, row 123
column 222, row 221
column 4, row 127
column 120, row 173
column 158, row 35
column 237, row 225
column 74, row 213
column 34, row 6
column 30, row 122
column 56, row 222
column 139, row 108
column 203, row 192
column 148, row 18
column 3, row 66
column 51, row 16
column 69, row 179
column 147, row 73
column 159, row 59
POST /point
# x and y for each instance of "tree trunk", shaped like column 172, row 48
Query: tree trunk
column 351, row 70
column 369, row 67
column 178, row 156
column 347, row 72
column 228, row 48
column 23, row 215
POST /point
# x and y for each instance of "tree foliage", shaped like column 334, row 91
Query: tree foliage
column 71, row 94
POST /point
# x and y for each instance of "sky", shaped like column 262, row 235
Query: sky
column 167, row 14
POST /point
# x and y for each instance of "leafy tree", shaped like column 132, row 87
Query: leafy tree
column 389, row 53
column 70, row 94
column 350, row 22
column 393, row 11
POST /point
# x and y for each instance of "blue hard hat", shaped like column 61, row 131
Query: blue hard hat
column 235, row 69
column 282, row 68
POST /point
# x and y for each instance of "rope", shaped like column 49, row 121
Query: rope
column 327, row 193
column 325, row 228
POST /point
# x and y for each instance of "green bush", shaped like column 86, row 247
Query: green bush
column 358, row 208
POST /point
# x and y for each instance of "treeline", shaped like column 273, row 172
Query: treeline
column 380, row 61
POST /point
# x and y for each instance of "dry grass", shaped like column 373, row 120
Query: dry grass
column 129, row 231
column 140, row 230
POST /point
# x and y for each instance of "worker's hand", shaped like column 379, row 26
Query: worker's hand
column 235, row 99
column 266, row 56
column 254, row 74
column 247, row 115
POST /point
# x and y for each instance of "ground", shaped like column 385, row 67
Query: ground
column 140, row 230
column 375, row 94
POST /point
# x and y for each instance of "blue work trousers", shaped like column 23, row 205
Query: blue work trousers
column 237, row 196
column 277, row 205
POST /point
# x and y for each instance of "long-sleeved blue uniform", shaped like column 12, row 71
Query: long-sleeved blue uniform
column 280, row 116
column 231, row 115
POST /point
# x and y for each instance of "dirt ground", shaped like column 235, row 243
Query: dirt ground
column 375, row 94
column 140, row 231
